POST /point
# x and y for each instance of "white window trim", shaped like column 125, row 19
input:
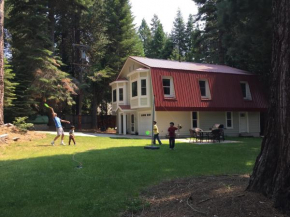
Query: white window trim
column 232, row 118
column 191, row 119
column 247, row 118
column 172, row 91
column 207, row 90
column 248, row 91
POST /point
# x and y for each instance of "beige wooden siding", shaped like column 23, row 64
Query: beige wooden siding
column 114, row 106
column 134, row 103
column 208, row 119
column 143, row 74
column 164, row 118
column 254, row 123
column 143, row 101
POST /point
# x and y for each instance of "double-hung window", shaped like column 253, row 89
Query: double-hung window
column 204, row 89
column 134, row 89
column 229, row 120
column 143, row 87
column 194, row 116
column 121, row 94
column 168, row 87
column 246, row 90
column 114, row 95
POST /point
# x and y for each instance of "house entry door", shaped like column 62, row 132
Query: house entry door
column 243, row 122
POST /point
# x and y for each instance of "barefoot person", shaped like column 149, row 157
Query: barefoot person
column 59, row 129
column 72, row 135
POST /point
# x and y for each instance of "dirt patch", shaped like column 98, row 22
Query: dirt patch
column 216, row 196
column 15, row 135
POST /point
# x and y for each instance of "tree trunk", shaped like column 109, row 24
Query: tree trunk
column 51, row 27
column 271, row 174
column 94, row 109
column 1, row 63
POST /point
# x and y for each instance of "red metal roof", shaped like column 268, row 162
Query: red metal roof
column 200, row 67
column 225, row 90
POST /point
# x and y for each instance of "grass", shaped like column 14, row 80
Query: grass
column 38, row 179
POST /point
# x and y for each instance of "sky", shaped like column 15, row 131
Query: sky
column 166, row 10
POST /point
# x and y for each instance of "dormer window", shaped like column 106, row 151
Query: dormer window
column 204, row 89
column 168, row 87
column 246, row 90
column 114, row 95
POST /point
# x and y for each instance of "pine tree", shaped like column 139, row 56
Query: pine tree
column 120, row 29
column 158, row 38
column 178, row 35
column 158, row 43
column 189, row 39
column 9, row 85
column 145, row 36
column 36, row 68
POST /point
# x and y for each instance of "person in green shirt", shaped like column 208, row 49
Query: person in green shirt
column 156, row 133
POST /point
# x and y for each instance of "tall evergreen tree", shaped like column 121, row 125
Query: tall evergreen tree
column 155, row 22
column 120, row 29
column 9, row 85
column 158, row 38
column 158, row 43
column 178, row 35
column 36, row 68
column 190, row 39
column 145, row 36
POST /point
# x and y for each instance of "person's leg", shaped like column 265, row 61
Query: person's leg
column 170, row 142
column 154, row 139
column 173, row 142
column 70, row 137
column 73, row 139
column 62, row 136
column 158, row 139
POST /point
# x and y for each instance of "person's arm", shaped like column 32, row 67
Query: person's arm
column 65, row 121
column 52, row 111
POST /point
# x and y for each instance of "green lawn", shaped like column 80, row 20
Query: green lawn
column 39, row 180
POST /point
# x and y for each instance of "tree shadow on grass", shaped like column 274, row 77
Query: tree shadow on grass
column 54, row 186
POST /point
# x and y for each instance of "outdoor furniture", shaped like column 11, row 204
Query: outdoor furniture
column 215, row 135
column 196, row 134
column 221, row 128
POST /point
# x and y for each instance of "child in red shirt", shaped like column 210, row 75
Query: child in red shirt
column 171, row 131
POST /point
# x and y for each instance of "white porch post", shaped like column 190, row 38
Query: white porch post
column 124, row 124
column 119, row 123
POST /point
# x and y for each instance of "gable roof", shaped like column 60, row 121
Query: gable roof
column 188, row 66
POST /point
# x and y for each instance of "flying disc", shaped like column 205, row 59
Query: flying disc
column 147, row 133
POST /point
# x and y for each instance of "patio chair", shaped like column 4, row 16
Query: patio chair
column 215, row 135
column 195, row 134
column 221, row 128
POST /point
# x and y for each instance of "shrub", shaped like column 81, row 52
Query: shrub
column 20, row 123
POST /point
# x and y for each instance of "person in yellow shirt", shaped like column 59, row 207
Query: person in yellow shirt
column 156, row 133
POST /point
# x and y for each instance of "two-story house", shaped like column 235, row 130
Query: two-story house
column 189, row 94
